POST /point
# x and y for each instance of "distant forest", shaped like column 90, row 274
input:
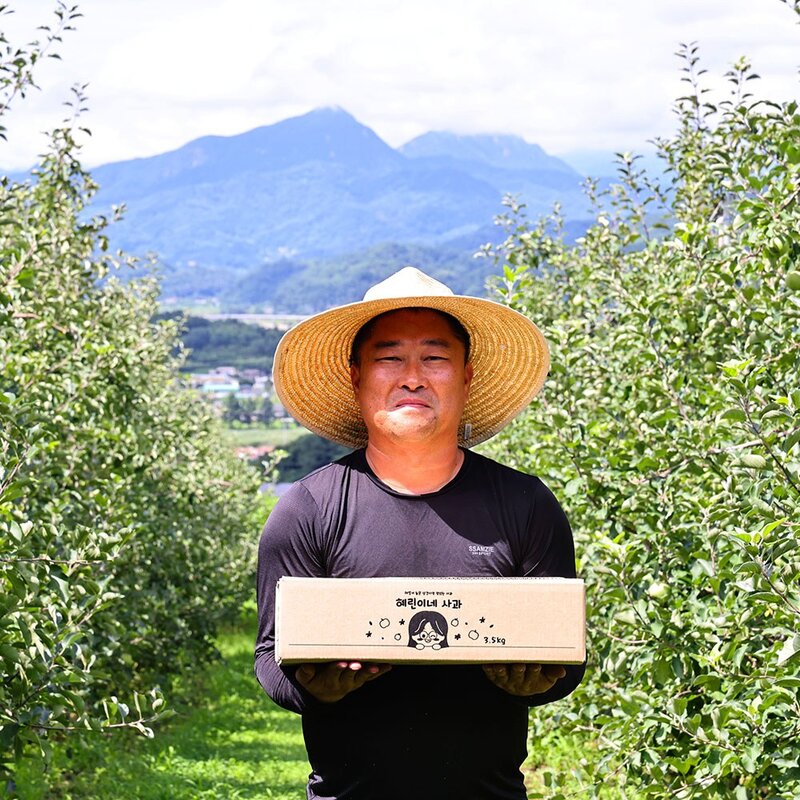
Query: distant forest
column 226, row 342
column 304, row 288
column 307, row 453
column 298, row 286
column 308, row 287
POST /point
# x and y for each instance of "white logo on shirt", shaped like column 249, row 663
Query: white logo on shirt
column 481, row 550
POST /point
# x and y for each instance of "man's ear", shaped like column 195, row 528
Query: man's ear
column 355, row 377
column 468, row 372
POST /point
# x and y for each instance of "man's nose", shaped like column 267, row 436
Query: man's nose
column 413, row 377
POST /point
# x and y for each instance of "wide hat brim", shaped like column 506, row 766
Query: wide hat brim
column 311, row 371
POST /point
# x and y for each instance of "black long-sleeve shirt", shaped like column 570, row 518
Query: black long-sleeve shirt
column 421, row 732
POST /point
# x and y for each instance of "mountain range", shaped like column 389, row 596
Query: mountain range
column 237, row 216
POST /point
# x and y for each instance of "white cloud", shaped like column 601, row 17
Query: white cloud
column 575, row 74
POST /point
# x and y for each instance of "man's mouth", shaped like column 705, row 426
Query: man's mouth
column 411, row 403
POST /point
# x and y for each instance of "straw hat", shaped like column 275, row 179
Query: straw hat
column 508, row 352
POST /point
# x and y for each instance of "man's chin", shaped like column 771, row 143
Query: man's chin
column 409, row 423
column 411, row 433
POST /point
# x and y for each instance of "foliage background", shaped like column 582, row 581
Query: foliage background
column 126, row 529
column 670, row 427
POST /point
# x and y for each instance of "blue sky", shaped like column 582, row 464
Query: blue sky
column 572, row 75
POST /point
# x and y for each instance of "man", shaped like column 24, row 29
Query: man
column 411, row 377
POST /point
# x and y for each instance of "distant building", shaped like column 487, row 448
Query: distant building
column 222, row 381
column 252, row 452
column 254, row 375
column 219, row 385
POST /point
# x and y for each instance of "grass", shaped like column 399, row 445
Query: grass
column 245, row 437
column 229, row 742
column 560, row 766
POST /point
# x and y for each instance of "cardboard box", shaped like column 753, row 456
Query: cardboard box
column 430, row 620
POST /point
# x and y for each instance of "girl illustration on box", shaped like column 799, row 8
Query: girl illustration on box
column 427, row 629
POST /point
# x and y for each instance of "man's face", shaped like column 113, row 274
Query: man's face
column 411, row 383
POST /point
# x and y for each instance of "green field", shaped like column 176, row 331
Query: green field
column 280, row 437
column 227, row 739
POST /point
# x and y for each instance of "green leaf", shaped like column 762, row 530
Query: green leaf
column 8, row 733
column 735, row 367
column 790, row 649
column 25, row 278
column 791, row 440
column 753, row 460
column 735, row 414
column 9, row 654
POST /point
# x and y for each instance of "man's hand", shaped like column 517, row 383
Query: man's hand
column 331, row 682
column 524, row 680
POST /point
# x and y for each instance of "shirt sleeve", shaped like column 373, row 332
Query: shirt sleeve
column 551, row 554
column 288, row 546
